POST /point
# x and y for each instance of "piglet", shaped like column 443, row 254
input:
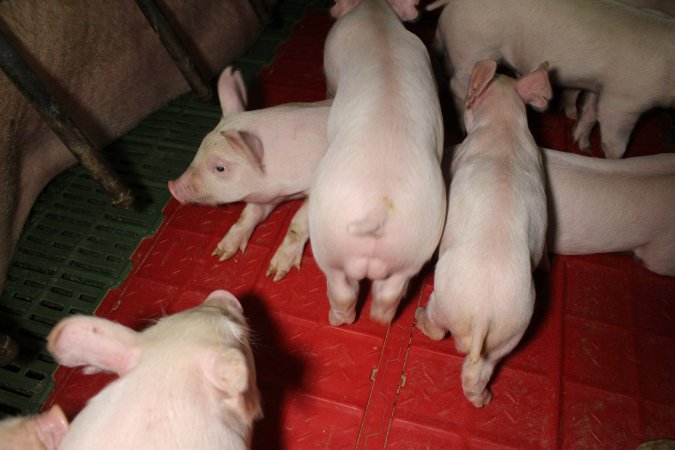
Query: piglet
column 43, row 432
column 598, row 205
column 261, row 157
column 496, row 227
column 377, row 201
column 187, row 382
column 623, row 56
column 582, row 106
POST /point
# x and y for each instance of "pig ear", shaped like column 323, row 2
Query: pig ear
column 52, row 426
column 231, row 91
column 94, row 342
column 482, row 74
column 226, row 369
column 248, row 144
column 224, row 297
column 342, row 7
column 405, row 9
column 535, row 87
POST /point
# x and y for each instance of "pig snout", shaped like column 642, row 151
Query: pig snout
column 180, row 190
column 223, row 299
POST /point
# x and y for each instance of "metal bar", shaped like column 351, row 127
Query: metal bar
column 51, row 112
column 261, row 10
column 154, row 15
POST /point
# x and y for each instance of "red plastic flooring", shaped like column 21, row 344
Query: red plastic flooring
column 595, row 369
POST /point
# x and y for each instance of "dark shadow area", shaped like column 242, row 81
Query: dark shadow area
column 279, row 372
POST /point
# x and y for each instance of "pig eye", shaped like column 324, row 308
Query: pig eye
column 219, row 168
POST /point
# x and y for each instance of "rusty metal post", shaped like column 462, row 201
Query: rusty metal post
column 155, row 16
column 261, row 10
column 51, row 112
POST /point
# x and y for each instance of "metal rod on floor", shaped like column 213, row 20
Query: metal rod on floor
column 155, row 16
column 51, row 112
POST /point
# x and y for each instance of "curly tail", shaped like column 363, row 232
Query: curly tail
column 372, row 225
column 479, row 330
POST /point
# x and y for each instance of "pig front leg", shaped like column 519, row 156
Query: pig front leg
column 387, row 294
column 588, row 109
column 568, row 102
column 616, row 125
column 289, row 253
column 239, row 234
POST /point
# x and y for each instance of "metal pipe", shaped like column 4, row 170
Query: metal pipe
column 155, row 16
column 261, row 10
column 58, row 120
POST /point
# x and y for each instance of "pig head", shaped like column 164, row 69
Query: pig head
column 186, row 382
column 229, row 159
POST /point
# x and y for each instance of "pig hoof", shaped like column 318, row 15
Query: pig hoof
column 480, row 400
column 571, row 113
column 587, row 149
column 222, row 254
column 419, row 315
column 278, row 273
column 382, row 316
column 337, row 319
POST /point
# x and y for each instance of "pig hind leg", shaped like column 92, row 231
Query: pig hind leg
column 616, row 125
column 588, row 116
column 424, row 320
column 476, row 374
column 289, row 253
column 387, row 294
column 342, row 294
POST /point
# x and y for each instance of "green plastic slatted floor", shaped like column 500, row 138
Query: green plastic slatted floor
column 76, row 246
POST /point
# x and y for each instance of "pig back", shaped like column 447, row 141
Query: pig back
column 378, row 193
